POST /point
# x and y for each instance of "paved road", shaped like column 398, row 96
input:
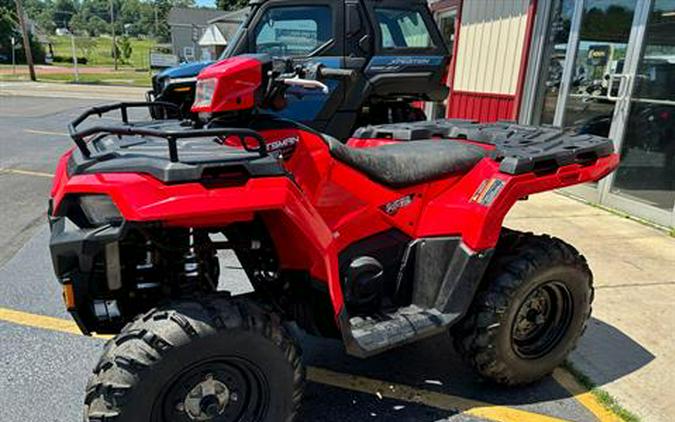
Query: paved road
column 44, row 366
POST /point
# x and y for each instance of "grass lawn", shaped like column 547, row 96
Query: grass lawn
column 98, row 50
column 126, row 77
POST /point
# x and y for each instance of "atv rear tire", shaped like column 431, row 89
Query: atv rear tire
column 530, row 311
column 217, row 359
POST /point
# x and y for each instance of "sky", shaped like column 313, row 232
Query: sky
column 206, row 3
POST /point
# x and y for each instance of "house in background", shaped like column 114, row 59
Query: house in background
column 187, row 26
column 219, row 32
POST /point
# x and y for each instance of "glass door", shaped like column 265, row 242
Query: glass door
column 602, row 35
column 644, row 184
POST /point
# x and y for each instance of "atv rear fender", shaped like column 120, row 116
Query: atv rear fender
column 479, row 204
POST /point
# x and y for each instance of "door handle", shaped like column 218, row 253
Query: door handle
column 622, row 87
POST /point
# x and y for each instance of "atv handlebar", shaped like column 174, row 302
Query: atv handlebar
column 79, row 137
column 328, row 72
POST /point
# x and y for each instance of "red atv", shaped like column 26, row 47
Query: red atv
column 391, row 238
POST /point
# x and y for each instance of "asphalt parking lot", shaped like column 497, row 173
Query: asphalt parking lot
column 44, row 363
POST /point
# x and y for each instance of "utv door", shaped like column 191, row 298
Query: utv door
column 409, row 48
column 307, row 32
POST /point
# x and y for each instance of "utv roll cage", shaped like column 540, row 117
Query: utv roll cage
column 83, row 137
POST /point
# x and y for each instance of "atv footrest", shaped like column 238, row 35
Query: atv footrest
column 370, row 336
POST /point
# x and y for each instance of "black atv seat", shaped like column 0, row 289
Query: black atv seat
column 409, row 163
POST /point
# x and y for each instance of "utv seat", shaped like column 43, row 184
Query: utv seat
column 409, row 163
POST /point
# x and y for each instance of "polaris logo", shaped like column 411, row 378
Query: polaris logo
column 392, row 208
column 284, row 146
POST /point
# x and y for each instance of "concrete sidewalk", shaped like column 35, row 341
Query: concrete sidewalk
column 64, row 90
column 629, row 347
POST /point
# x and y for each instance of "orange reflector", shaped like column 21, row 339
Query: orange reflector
column 182, row 89
column 69, row 296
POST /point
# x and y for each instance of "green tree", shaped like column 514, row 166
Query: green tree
column 62, row 12
column 9, row 27
column 124, row 49
column 231, row 4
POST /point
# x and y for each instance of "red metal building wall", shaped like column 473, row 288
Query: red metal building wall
column 485, row 87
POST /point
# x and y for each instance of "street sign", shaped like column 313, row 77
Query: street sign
column 162, row 60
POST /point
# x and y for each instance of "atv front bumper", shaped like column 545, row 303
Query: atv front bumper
column 87, row 264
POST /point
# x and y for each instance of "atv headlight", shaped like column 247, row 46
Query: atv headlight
column 100, row 210
column 178, row 84
column 173, row 81
column 204, row 92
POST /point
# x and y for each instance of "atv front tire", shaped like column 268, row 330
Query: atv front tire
column 530, row 311
column 217, row 359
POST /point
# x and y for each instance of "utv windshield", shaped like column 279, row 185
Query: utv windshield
column 293, row 31
column 229, row 50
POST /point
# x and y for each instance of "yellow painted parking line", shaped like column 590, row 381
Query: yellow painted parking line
column 365, row 385
column 45, row 132
column 41, row 321
column 26, row 172
column 584, row 397
column 424, row 397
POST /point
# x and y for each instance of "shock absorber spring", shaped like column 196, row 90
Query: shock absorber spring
column 191, row 268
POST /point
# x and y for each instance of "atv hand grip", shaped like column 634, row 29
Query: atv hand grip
column 328, row 72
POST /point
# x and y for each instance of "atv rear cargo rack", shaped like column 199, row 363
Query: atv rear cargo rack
column 82, row 137
column 520, row 149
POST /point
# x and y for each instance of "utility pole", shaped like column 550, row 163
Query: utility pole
column 156, row 20
column 112, row 24
column 26, row 40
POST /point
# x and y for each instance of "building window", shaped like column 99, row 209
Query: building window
column 189, row 53
column 293, row 31
column 402, row 29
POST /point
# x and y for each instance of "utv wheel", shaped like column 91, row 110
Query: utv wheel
column 214, row 360
column 530, row 311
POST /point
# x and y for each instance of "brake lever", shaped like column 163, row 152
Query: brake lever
column 307, row 84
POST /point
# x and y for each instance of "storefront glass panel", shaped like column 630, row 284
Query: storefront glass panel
column 647, row 171
column 601, row 52
column 555, row 56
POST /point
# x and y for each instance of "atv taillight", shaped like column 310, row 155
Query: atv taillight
column 99, row 210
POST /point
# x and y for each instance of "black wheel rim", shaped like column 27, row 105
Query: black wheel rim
column 542, row 320
column 220, row 390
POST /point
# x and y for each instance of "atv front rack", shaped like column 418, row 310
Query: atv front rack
column 83, row 136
